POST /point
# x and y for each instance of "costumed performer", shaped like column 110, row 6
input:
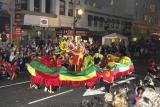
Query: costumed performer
column 106, row 80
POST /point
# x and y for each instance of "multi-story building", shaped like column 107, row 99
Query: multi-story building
column 46, row 18
column 108, row 16
column 39, row 18
column 4, row 16
column 147, row 18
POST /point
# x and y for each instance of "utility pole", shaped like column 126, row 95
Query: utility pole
column 74, row 21
column 77, row 13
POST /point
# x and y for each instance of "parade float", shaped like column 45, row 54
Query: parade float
column 81, row 70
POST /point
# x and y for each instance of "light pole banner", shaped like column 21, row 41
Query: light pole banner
column 18, row 16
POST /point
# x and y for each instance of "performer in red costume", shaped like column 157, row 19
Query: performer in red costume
column 106, row 80
column 59, row 61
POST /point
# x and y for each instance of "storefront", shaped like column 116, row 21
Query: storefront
column 155, row 36
column 4, row 24
column 37, row 32
column 96, row 36
column 68, row 32
column 41, row 27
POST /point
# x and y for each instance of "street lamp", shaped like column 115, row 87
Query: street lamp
column 77, row 15
column 80, row 12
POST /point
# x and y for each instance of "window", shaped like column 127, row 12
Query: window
column 90, row 18
column 112, row 23
column 24, row 4
column 117, row 24
column 62, row 7
column 95, row 21
column 37, row 5
column 107, row 22
column 48, row 6
column 86, row 1
column 70, row 9
column 152, row 7
column 101, row 23
column 101, row 20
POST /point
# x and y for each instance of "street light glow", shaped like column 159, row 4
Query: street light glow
column 80, row 12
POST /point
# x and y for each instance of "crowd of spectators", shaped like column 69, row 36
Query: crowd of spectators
column 128, row 95
column 26, row 51
column 23, row 54
column 20, row 56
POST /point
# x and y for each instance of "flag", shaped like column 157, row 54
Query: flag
column 60, row 76
column 108, row 76
column 126, row 67
column 43, row 73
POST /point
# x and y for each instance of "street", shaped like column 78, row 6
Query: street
column 16, row 93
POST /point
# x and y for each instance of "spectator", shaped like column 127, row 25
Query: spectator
column 108, row 99
column 152, row 67
column 139, row 92
column 120, row 99
column 96, row 59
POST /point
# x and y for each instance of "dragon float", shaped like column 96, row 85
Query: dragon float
column 48, row 71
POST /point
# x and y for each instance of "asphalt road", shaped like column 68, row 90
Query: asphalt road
column 16, row 93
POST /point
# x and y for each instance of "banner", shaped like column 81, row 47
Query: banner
column 18, row 16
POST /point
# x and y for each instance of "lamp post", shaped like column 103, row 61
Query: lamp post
column 76, row 16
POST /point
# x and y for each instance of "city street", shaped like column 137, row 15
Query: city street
column 16, row 93
column 68, row 53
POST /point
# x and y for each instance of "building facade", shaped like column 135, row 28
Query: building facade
column 146, row 21
column 109, row 16
column 4, row 16
column 51, row 18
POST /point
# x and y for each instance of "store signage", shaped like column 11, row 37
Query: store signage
column 71, row 32
column 18, row 31
column 37, row 28
column 43, row 22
